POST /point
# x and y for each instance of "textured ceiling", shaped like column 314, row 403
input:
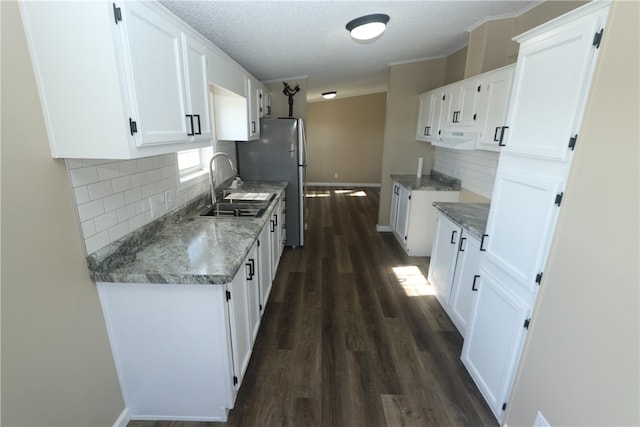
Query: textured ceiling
column 276, row 40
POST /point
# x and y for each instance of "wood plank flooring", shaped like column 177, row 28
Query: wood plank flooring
column 342, row 342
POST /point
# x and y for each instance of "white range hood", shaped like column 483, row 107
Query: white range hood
column 456, row 140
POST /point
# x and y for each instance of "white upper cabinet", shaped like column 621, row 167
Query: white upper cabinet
column 493, row 105
column 429, row 115
column 552, row 80
column 195, row 58
column 153, row 57
column 253, row 109
column 124, row 88
column 460, row 104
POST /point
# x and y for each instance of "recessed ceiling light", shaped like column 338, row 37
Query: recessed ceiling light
column 368, row 27
column 329, row 95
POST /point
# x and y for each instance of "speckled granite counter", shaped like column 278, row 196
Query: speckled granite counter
column 435, row 182
column 470, row 216
column 184, row 248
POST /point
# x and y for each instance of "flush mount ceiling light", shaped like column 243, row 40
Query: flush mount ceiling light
column 329, row 95
column 368, row 27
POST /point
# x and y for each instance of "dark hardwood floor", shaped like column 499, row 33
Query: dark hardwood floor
column 351, row 335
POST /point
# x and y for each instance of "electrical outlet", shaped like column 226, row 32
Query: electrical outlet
column 335, row 175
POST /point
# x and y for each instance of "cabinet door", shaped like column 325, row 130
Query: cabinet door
column 240, row 325
column 393, row 214
column 253, row 127
column 492, row 346
column 252, row 277
column 520, row 224
column 460, row 104
column 156, row 70
column 264, row 261
column 465, row 286
column 425, row 109
column 493, row 104
column 551, row 83
column 443, row 258
column 274, row 224
column 404, row 208
column 195, row 59
column 435, row 118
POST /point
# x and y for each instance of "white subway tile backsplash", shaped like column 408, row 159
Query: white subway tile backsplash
column 121, row 184
column 475, row 168
column 106, row 221
column 81, row 195
column 114, row 197
column 83, row 176
column 128, row 167
column 118, row 231
column 99, row 190
column 114, row 202
column 88, row 228
column 97, row 241
column 108, row 171
column 90, row 210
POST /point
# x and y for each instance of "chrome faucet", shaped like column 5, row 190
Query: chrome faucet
column 212, row 180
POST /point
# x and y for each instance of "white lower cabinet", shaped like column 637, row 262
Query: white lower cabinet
column 181, row 351
column 464, row 289
column 492, row 347
column 413, row 217
column 443, row 258
column 264, row 258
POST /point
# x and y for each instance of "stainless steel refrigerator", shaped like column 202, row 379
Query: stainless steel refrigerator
column 280, row 155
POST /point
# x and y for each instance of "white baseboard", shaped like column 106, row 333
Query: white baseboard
column 343, row 184
column 383, row 228
column 123, row 419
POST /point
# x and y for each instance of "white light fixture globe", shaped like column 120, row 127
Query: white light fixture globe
column 329, row 95
column 368, row 27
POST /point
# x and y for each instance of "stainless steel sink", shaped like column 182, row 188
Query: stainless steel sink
column 223, row 209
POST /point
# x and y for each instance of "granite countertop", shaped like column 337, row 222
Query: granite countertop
column 470, row 216
column 435, row 182
column 184, row 248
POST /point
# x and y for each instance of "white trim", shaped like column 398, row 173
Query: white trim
column 343, row 184
column 123, row 419
column 503, row 16
column 265, row 82
column 411, row 61
column 383, row 228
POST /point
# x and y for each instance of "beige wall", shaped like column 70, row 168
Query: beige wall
column 280, row 102
column 57, row 367
column 580, row 364
column 400, row 149
column 345, row 136
column 456, row 65
column 491, row 45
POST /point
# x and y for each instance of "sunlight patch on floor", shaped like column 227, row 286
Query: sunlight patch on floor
column 315, row 194
column 352, row 193
column 413, row 281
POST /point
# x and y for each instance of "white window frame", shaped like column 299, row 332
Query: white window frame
column 195, row 174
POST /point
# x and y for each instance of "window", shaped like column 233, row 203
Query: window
column 193, row 165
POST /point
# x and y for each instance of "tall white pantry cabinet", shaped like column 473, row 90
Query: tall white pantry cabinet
column 551, row 84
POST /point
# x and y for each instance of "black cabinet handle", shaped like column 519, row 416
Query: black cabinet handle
column 462, row 244
column 197, row 116
column 453, row 236
column 502, row 136
column 252, row 267
column 190, row 116
column 253, row 127
column 276, row 217
column 495, row 134
column 427, row 130
column 482, row 248
column 250, row 277
column 273, row 227
column 473, row 285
